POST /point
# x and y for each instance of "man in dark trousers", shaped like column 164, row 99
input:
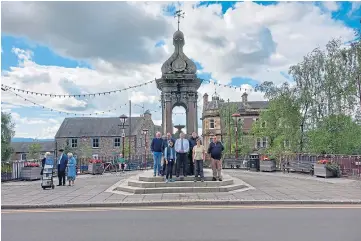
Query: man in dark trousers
column 215, row 150
column 62, row 163
column 166, row 141
column 182, row 149
column 192, row 143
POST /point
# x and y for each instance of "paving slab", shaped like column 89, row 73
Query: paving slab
column 265, row 188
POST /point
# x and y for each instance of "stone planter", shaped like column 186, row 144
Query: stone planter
column 268, row 166
column 30, row 173
column 320, row 170
column 95, row 168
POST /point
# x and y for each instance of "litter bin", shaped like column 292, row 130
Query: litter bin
column 253, row 162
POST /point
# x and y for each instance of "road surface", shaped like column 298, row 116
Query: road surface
column 271, row 223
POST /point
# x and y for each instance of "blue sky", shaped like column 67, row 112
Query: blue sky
column 45, row 56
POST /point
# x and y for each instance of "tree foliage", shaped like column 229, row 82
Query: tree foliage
column 320, row 108
column 85, row 150
column 229, row 127
column 336, row 134
column 280, row 123
column 34, row 150
column 127, row 149
column 7, row 133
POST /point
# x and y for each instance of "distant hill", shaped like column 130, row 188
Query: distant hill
column 23, row 139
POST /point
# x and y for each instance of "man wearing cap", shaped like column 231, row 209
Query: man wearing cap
column 62, row 163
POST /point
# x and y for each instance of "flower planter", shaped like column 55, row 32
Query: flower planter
column 268, row 166
column 320, row 170
column 30, row 173
column 95, row 168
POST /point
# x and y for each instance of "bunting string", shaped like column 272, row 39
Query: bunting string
column 68, row 113
column 6, row 87
column 226, row 86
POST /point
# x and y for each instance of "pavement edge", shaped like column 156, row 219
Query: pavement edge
column 182, row 203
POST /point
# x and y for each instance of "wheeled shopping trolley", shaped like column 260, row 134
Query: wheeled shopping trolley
column 48, row 174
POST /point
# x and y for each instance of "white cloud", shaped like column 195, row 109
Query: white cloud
column 331, row 6
column 251, row 40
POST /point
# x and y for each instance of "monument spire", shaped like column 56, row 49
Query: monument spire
column 179, row 14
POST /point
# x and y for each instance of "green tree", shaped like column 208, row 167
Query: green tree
column 336, row 134
column 228, row 126
column 280, row 123
column 127, row 148
column 67, row 148
column 34, row 151
column 85, row 150
column 7, row 133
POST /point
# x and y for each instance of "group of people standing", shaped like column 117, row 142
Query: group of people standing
column 66, row 167
column 188, row 154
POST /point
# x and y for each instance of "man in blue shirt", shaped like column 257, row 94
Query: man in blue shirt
column 182, row 149
column 156, row 148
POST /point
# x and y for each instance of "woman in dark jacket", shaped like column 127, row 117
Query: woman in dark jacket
column 43, row 162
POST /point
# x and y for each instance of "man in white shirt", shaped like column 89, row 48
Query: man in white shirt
column 182, row 148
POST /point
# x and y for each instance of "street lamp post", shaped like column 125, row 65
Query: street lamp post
column 236, row 117
column 145, row 132
column 123, row 119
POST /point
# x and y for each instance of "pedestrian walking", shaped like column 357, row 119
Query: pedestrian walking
column 121, row 162
column 182, row 149
column 156, row 148
column 215, row 150
column 199, row 154
column 71, row 169
column 62, row 163
column 169, row 159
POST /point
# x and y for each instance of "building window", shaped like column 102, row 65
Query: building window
column 262, row 142
column 259, row 143
column 74, row 143
column 211, row 124
column 286, row 144
column 211, row 140
column 265, row 142
column 95, row 142
column 117, row 142
column 23, row 156
column 95, row 156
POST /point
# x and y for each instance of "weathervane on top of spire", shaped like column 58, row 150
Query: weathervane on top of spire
column 179, row 14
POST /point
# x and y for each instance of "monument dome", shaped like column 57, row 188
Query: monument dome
column 179, row 62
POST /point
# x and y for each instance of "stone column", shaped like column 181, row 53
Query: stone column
column 192, row 117
column 167, row 121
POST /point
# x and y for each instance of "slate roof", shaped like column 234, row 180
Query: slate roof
column 96, row 127
column 23, row 147
column 214, row 104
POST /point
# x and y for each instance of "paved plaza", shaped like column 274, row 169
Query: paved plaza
column 263, row 187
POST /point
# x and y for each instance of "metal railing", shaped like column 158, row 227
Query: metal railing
column 350, row 165
column 11, row 171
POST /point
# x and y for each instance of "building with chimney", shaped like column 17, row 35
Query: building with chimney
column 102, row 136
column 214, row 124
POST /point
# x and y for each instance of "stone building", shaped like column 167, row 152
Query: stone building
column 213, row 124
column 21, row 149
column 99, row 137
